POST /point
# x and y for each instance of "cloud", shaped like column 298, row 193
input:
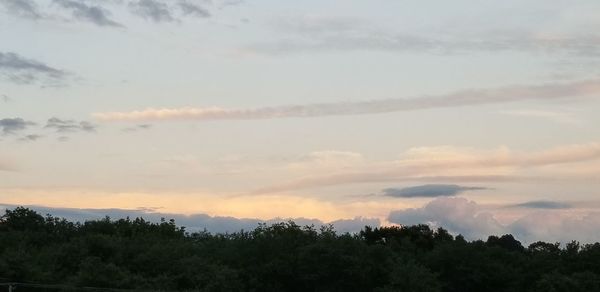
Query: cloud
column 543, row 205
column 193, row 9
column 30, row 138
column 428, row 191
column 339, row 34
column 6, row 165
column 94, row 14
column 159, row 11
column 196, row 222
column 5, row 98
column 230, row 2
column 67, row 126
column 460, row 215
column 152, row 10
column 137, row 128
column 457, row 99
column 18, row 69
column 450, row 165
column 22, row 8
column 558, row 117
column 13, row 125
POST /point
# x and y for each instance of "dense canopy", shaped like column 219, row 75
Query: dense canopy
column 140, row 255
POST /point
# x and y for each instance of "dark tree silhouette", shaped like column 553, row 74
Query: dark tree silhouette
column 52, row 254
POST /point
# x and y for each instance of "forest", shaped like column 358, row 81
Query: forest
column 46, row 253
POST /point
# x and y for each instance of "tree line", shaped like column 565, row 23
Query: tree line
column 135, row 254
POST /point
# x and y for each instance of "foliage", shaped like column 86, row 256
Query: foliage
column 141, row 255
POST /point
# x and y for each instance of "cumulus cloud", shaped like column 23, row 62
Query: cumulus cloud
column 13, row 125
column 428, row 191
column 18, row 69
column 152, row 10
column 197, row 222
column 543, row 205
column 456, row 99
column 458, row 215
column 461, row 216
column 94, row 14
column 67, row 126
column 23, row 8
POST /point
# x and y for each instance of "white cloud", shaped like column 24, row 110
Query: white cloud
column 449, row 164
column 460, row 215
column 460, row 98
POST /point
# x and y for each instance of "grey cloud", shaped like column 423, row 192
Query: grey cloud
column 12, row 125
column 30, row 138
column 469, row 97
column 95, row 11
column 428, row 191
column 152, row 10
column 193, row 9
column 93, row 14
column 66, row 126
column 137, row 128
column 543, row 205
column 23, row 8
column 197, row 222
column 5, row 98
column 18, row 69
column 230, row 2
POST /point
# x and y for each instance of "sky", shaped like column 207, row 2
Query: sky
column 478, row 116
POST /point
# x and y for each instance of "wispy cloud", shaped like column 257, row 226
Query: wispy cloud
column 90, row 13
column 428, row 191
column 558, row 117
column 22, row 8
column 193, row 9
column 67, row 126
column 137, row 128
column 543, row 205
column 18, row 69
column 449, row 165
column 98, row 13
column 6, row 165
column 339, row 34
column 456, row 99
column 30, row 138
column 153, row 10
